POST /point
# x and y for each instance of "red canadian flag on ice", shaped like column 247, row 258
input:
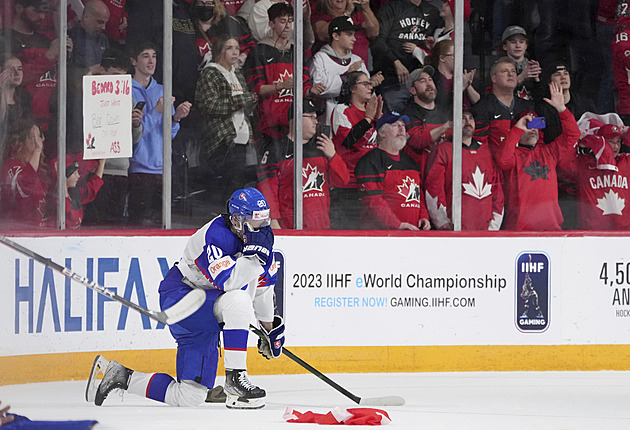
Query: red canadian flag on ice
column 351, row 417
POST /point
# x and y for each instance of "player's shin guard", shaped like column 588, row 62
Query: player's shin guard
column 150, row 385
column 163, row 388
column 235, row 348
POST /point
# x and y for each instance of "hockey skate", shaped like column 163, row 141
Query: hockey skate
column 241, row 393
column 115, row 376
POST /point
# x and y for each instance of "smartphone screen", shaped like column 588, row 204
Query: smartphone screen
column 538, row 122
column 140, row 105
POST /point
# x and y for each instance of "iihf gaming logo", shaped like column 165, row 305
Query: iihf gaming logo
column 532, row 292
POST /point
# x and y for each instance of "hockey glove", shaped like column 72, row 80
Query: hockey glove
column 270, row 345
column 259, row 243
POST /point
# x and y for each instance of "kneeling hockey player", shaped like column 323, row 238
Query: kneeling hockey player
column 231, row 257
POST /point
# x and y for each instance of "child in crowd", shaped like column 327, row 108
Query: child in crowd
column 515, row 44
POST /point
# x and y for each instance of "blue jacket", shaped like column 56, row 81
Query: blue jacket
column 147, row 153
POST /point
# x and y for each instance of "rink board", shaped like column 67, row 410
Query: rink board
column 351, row 304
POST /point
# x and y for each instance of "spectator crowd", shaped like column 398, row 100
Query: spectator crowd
column 545, row 113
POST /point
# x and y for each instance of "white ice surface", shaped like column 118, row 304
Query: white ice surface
column 483, row 400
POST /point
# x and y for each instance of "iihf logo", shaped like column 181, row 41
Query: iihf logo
column 532, row 292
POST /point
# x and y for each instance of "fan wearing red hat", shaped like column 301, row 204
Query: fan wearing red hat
column 531, row 181
column 78, row 193
column 601, row 173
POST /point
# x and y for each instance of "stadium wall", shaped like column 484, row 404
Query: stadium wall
column 375, row 303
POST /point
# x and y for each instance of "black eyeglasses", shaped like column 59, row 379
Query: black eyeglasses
column 365, row 83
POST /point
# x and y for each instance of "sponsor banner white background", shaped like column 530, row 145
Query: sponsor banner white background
column 335, row 292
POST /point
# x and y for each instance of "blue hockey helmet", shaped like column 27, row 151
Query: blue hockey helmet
column 249, row 205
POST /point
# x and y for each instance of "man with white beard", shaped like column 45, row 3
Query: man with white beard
column 389, row 181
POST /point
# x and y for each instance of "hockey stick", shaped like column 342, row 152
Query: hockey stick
column 180, row 310
column 363, row 401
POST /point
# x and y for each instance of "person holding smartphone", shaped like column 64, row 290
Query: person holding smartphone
column 322, row 168
column 110, row 205
column 530, row 168
column 145, row 165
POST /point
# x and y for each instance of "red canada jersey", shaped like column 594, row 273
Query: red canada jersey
column 606, row 11
column 391, row 190
column 40, row 74
column 267, row 65
column 421, row 122
column 620, row 49
column 117, row 15
column 23, row 194
column 482, row 194
column 275, row 181
column 531, row 185
column 232, row 6
column 352, row 135
column 603, row 196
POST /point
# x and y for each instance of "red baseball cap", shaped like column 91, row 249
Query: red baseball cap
column 609, row 131
column 521, row 115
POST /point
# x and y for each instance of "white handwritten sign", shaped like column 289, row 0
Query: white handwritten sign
column 107, row 116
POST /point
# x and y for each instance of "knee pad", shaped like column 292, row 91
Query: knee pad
column 186, row 393
column 235, row 310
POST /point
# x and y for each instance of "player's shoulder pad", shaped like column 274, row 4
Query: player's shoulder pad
column 220, row 235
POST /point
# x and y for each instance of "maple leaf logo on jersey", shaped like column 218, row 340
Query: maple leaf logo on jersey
column 314, row 180
column 524, row 94
column 611, row 204
column 206, row 54
column 410, row 190
column 479, row 189
column 537, row 170
column 287, row 91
